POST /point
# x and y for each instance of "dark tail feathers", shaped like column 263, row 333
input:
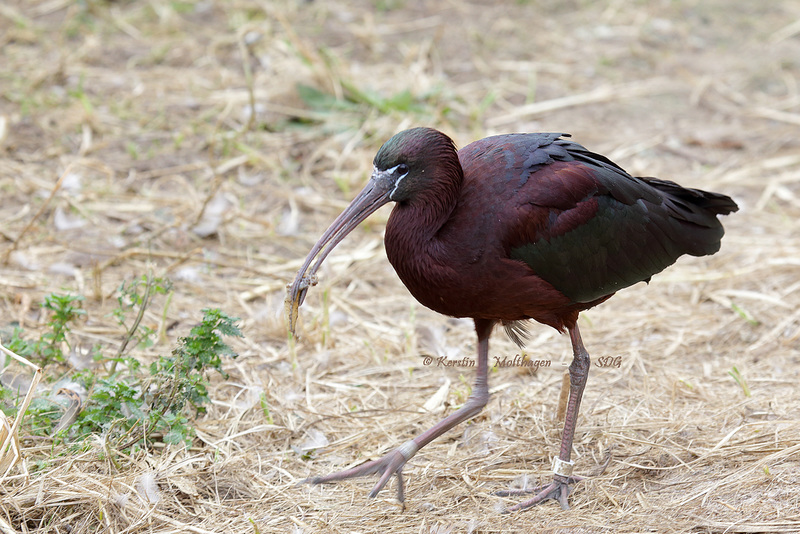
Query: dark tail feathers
column 700, row 204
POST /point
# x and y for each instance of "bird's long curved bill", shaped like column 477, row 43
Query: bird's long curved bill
column 374, row 195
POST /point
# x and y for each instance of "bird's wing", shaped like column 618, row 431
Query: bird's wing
column 588, row 228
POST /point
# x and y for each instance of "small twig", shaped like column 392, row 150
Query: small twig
column 107, row 447
column 787, row 32
column 777, row 115
column 37, row 376
column 212, row 191
column 28, row 226
column 599, row 94
column 137, row 251
column 162, row 328
column 135, row 326
column 248, row 78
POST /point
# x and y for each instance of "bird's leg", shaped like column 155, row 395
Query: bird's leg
column 393, row 462
column 562, row 477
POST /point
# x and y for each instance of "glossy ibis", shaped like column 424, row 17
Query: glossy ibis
column 510, row 228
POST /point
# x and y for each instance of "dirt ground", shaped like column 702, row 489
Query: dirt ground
column 213, row 142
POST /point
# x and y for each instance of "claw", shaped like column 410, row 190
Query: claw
column 391, row 464
column 558, row 490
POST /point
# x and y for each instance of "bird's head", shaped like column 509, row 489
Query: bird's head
column 405, row 169
column 409, row 162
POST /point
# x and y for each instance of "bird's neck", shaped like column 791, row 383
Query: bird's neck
column 411, row 232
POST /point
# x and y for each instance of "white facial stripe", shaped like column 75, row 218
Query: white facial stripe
column 397, row 183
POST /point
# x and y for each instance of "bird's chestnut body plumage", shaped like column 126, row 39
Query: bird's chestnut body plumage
column 516, row 227
column 553, row 230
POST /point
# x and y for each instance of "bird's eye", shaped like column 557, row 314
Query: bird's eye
column 402, row 169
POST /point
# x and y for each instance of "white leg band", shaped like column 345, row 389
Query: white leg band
column 408, row 449
column 560, row 467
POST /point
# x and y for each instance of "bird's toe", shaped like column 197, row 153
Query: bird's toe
column 391, row 464
column 558, row 490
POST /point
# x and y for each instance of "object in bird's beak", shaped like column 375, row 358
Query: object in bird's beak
column 295, row 298
column 374, row 195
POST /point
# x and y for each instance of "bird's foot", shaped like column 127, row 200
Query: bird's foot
column 557, row 490
column 390, row 464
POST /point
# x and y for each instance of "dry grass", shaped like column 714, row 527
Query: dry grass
column 128, row 141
